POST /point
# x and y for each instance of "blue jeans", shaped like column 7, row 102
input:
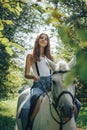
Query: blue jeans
column 37, row 89
column 44, row 84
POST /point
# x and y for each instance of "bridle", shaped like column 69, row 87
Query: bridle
column 55, row 104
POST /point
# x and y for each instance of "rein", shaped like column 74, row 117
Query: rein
column 50, row 100
column 62, row 93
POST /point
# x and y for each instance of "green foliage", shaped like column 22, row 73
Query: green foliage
column 10, row 76
column 73, row 32
column 30, row 17
column 4, row 65
column 9, row 13
column 54, row 16
column 66, row 52
column 82, row 118
column 15, row 80
column 81, row 66
column 7, row 114
column 77, row 10
column 64, row 32
column 82, row 34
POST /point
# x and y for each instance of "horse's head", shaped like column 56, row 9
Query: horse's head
column 63, row 96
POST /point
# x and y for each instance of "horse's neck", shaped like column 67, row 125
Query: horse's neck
column 47, row 105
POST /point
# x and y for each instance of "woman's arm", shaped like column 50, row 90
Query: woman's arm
column 29, row 62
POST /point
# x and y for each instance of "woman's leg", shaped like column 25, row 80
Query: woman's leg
column 36, row 108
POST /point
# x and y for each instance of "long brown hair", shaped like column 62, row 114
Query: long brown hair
column 36, row 50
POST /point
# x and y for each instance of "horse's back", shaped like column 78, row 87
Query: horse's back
column 22, row 97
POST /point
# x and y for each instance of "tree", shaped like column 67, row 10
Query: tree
column 10, row 11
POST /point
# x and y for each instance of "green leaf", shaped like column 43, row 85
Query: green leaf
column 7, row 5
column 18, row 7
column 9, row 51
column 82, row 34
column 17, row 12
column 1, row 35
column 8, row 22
column 17, row 46
column 1, row 26
column 85, row 1
column 82, row 65
column 5, row 41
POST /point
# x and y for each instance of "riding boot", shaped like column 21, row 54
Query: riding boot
column 29, row 125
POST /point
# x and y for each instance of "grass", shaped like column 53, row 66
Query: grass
column 8, row 112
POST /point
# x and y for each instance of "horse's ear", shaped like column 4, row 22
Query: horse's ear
column 72, row 62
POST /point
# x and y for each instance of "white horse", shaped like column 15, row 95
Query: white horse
column 57, row 108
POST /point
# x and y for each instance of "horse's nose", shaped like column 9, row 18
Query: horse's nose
column 67, row 111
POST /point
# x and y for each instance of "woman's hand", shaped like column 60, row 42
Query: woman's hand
column 36, row 79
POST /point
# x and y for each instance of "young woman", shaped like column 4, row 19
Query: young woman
column 40, row 53
column 38, row 61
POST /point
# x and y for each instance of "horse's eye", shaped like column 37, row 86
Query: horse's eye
column 54, row 82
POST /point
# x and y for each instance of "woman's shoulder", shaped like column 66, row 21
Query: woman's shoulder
column 29, row 57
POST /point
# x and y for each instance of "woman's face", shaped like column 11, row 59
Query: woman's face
column 43, row 40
